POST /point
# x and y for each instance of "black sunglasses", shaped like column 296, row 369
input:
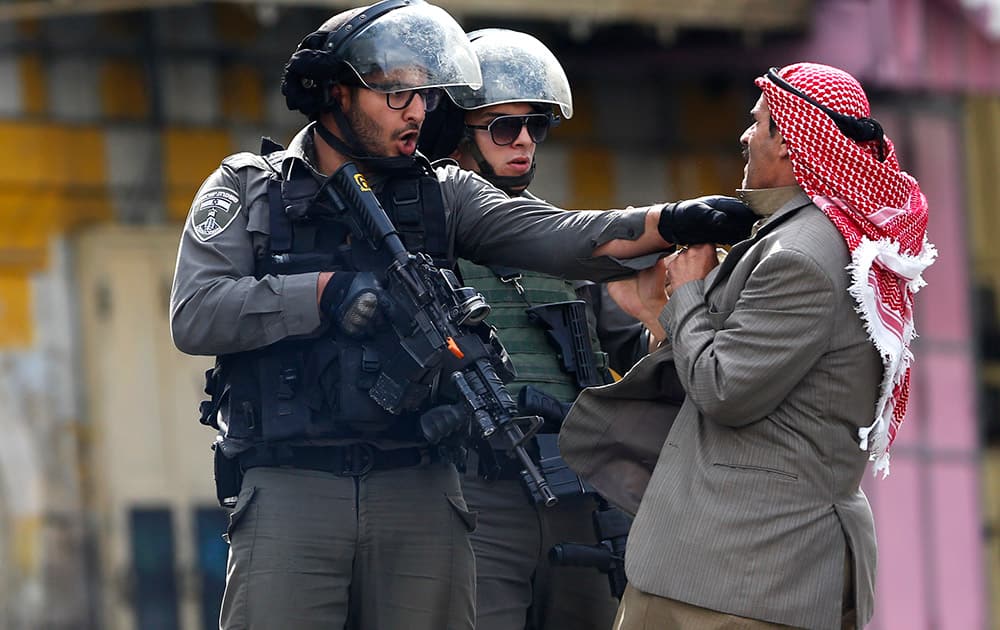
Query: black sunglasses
column 505, row 130
column 857, row 129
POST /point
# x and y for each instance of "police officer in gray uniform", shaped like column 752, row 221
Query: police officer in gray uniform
column 346, row 515
column 494, row 131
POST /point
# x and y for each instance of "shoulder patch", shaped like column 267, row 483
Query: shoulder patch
column 214, row 211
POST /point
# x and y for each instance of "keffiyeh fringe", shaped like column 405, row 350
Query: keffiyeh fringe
column 891, row 338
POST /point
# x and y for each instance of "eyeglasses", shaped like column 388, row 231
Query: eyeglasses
column 505, row 130
column 402, row 99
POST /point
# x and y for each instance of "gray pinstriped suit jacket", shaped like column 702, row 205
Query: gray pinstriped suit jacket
column 755, row 494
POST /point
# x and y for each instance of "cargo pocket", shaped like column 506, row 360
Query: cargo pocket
column 467, row 517
column 242, row 504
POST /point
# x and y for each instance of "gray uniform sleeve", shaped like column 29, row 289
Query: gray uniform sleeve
column 488, row 227
column 217, row 306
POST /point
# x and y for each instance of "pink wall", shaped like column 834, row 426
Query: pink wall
column 928, row 513
column 904, row 44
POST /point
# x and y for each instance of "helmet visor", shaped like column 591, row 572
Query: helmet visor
column 414, row 47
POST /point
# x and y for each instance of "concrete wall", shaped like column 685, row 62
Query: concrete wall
column 148, row 450
column 44, row 523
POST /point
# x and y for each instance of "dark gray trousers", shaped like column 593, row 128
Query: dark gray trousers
column 516, row 588
column 386, row 551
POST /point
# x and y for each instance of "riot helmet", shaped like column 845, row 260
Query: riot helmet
column 388, row 47
column 516, row 68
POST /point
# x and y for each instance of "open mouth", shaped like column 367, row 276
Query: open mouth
column 521, row 165
column 408, row 141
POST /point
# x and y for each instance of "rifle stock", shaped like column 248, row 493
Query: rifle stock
column 565, row 325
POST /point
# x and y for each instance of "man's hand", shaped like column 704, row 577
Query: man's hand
column 351, row 300
column 439, row 422
column 690, row 263
column 642, row 296
column 712, row 219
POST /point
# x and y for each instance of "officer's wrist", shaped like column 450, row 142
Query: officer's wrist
column 333, row 292
column 322, row 280
column 664, row 224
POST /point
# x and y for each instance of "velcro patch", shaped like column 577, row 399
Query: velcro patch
column 214, row 211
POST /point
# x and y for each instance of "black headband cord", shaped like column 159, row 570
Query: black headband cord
column 857, row 129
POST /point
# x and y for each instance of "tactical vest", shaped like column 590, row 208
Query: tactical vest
column 314, row 389
column 535, row 359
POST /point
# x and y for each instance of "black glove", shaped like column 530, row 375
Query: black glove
column 351, row 300
column 441, row 421
column 712, row 219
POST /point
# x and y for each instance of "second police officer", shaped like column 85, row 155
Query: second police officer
column 345, row 514
column 494, row 131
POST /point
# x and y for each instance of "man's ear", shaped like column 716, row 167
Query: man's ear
column 341, row 95
column 461, row 150
column 463, row 155
column 782, row 148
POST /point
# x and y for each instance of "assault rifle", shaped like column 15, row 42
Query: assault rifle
column 438, row 326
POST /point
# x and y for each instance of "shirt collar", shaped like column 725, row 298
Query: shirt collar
column 301, row 153
column 766, row 201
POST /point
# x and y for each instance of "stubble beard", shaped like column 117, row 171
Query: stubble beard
column 368, row 132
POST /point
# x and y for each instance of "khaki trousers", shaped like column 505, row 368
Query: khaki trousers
column 516, row 587
column 386, row 551
column 642, row 611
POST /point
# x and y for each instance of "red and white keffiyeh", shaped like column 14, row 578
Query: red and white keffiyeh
column 879, row 210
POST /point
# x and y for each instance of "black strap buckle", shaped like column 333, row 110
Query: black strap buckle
column 359, row 459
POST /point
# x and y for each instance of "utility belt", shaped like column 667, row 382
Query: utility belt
column 343, row 460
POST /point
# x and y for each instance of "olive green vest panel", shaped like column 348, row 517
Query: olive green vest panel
column 534, row 357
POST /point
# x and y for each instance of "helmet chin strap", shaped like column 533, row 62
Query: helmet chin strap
column 351, row 147
column 513, row 185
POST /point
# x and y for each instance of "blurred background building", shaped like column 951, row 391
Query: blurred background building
column 113, row 111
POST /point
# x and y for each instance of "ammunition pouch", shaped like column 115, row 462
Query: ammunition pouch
column 493, row 464
column 228, row 477
column 563, row 482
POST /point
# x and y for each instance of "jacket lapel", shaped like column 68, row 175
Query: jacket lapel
column 738, row 250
